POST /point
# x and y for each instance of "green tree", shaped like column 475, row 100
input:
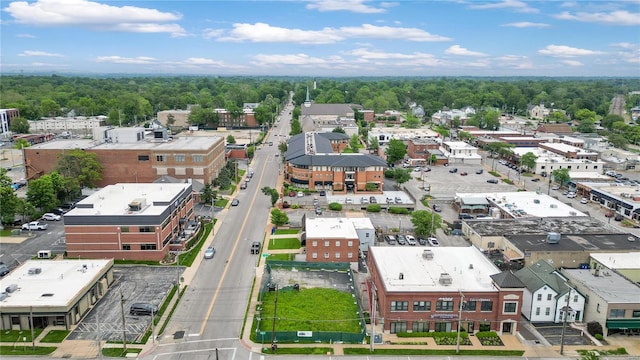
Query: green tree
column 21, row 144
column 41, row 193
column 499, row 148
column 463, row 135
column 373, row 143
column 80, row 165
column 223, row 181
column 561, row 176
column 401, row 175
column 608, row 121
column 339, row 130
column 396, row 150
column 8, row 199
column 296, row 128
column 424, row 221
column 354, row 142
column 529, row 160
column 587, row 126
column 412, row 122
column 231, row 139
column 557, row 117
column 279, row 218
column 171, row 120
column 283, row 148
column 251, row 150
column 273, row 193
column 585, row 114
column 207, row 195
column 618, row 141
column 19, row 126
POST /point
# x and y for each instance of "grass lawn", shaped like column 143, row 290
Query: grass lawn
column 119, row 352
column 314, row 309
column 221, row 203
column 281, row 257
column 28, row 350
column 286, row 231
column 287, row 243
column 18, row 335
column 55, row 336
column 5, row 232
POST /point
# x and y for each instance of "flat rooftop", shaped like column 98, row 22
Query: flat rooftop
column 459, row 145
column 629, row 260
column 423, row 275
column 540, row 226
column 577, row 242
column 330, row 228
column 57, row 285
column 612, row 287
column 566, row 148
column 178, row 143
column 524, row 204
column 115, row 199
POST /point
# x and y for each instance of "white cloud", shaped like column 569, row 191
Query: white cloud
column 628, row 52
column 140, row 60
column 460, row 51
column 26, row 36
column 620, row 17
column 39, row 53
column 357, row 6
column 261, row 32
column 93, row 15
column 526, row 24
column 212, row 33
column 515, row 5
column 292, row 59
column 566, row 51
column 572, row 63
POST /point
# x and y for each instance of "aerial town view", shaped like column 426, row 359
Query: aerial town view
column 241, row 180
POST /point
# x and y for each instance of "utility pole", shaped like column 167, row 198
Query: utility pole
column 273, row 328
column 124, row 330
column 372, row 316
column 459, row 322
column 564, row 322
column 33, row 339
column 153, row 325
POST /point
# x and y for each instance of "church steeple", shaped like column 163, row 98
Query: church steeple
column 307, row 101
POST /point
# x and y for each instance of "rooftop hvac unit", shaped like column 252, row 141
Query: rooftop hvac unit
column 536, row 201
column 34, row 271
column 11, row 288
column 445, row 279
column 427, row 254
column 44, row 254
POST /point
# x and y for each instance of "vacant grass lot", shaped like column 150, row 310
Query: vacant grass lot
column 281, row 257
column 286, row 231
column 18, row 335
column 287, row 243
column 315, row 309
column 26, row 350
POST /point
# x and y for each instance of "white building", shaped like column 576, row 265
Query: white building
column 547, row 162
column 53, row 292
column 545, row 295
column 76, row 125
column 347, row 229
column 384, row 134
column 459, row 152
column 625, row 264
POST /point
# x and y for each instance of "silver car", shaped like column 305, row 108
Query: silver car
column 208, row 254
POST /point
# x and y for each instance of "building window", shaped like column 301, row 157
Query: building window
column 178, row 158
column 442, row 327
column 539, row 297
column 469, row 305
column 486, row 306
column 547, row 311
column 143, row 157
column 442, row 305
column 537, row 311
column 314, row 255
column 326, row 244
column 314, row 243
column 326, row 255
column 126, row 247
column 197, row 158
column 510, row 307
column 337, row 255
column 398, row 326
column 124, row 229
column 148, row 247
column 575, row 298
column 338, row 243
column 147, row 229
column 420, row 326
column 616, row 313
column 422, row 306
column 366, row 235
column 548, row 297
column 349, row 243
column 350, row 255
column 160, row 158
column 399, row 306
column 635, row 313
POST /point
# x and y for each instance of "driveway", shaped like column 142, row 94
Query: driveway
column 553, row 334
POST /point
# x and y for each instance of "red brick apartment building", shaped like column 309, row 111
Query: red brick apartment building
column 141, row 160
column 130, row 221
column 331, row 240
column 420, row 290
column 422, row 148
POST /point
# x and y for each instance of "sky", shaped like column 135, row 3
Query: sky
column 332, row 38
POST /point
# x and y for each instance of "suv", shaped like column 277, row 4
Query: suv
column 454, row 170
column 479, row 171
column 391, row 240
column 35, row 225
column 437, row 208
column 143, row 309
column 255, row 247
column 402, row 240
column 51, row 217
column 243, row 185
column 464, row 216
column 492, row 181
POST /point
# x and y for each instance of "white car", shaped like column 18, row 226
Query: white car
column 51, row 217
column 555, row 187
column 300, row 194
column 584, row 201
column 433, row 241
column 35, row 225
column 411, row 240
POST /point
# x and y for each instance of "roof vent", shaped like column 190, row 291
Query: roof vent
column 427, row 254
column 137, row 204
column 11, row 288
column 470, row 266
column 445, row 279
column 401, row 276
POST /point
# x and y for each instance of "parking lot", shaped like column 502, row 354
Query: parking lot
column 553, row 334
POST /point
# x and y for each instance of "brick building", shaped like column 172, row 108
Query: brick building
column 422, row 148
column 130, row 221
column 189, row 158
column 421, row 290
column 331, row 240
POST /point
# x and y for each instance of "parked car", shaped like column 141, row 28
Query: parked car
column 402, row 240
column 618, row 217
column 457, row 232
column 437, row 208
column 422, row 241
column 535, row 179
column 35, row 225
column 426, row 169
column 372, row 199
column 433, row 241
column 492, row 181
column 584, row 201
column 479, row 171
column 348, row 201
column 398, row 200
column 364, row 200
column 300, row 194
column 243, row 185
column 555, row 187
column 235, row 202
column 59, row 211
column 318, row 211
column 51, row 217
column 464, row 216
column 143, row 309
column 255, row 247
column 411, row 240
column 323, row 193
column 209, row 252
column 453, row 170
column 464, row 173
column 391, row 240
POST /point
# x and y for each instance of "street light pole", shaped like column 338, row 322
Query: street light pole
column 564, row 322
column 460, row 322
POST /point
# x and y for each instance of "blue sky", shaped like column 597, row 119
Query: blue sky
column 322, row 37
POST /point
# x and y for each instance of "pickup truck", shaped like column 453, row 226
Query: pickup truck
column 35, row 225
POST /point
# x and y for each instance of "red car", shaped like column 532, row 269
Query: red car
column 463, row 174
column 608, row 214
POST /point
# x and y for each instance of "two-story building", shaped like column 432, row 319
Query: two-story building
column 130, row 221
column 459, row 152
column 332, row 240
column 420, row 290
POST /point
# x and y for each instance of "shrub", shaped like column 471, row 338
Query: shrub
column 594, row 328
column 599, row 336
column 335, row 206
column 389, row 173
column 398, row 210
column 374, row 208
column 371, row 187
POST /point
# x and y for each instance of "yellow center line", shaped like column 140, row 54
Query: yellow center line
column 233, row 251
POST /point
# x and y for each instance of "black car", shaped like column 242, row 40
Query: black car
column 323, row 193
column 255, row 247
column 479, row 171
column 437, row 208
column 235, row 202
column 58, row 211
column 492, row 181
column 618, row 217
column 464, row 216
column 454, row 170
column 535, row 179
column 422, row 241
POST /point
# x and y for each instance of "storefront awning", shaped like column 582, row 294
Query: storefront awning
column 623, row 324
